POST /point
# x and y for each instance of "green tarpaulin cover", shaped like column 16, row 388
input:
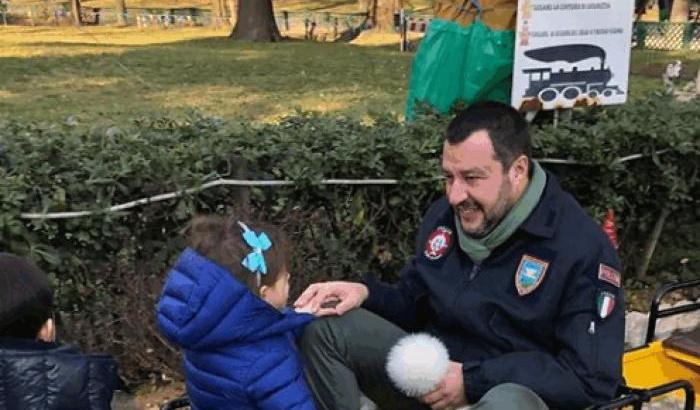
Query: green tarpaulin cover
column 456, row 63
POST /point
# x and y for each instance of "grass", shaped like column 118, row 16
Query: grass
column 103, row 73
column 110, row 74
column 334, row 6
column 648, row 65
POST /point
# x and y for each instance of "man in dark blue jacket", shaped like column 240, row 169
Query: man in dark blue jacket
column 509, row 272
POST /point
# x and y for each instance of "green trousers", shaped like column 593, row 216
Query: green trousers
column 344, row 355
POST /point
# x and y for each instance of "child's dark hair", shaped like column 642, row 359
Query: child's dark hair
column 26, row 301
column 220, row 239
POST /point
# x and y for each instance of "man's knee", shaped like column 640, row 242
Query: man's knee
column 510, row 396
column 326, row 331
column 315, row 334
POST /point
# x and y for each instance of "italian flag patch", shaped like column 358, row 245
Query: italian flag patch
column 606, row 304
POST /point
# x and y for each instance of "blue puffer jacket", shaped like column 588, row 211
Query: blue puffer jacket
column 239, row 351
column 50, row 376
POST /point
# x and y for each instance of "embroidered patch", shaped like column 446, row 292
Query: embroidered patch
column 606, row 304
column 438, row 243
column 530, row 274
column 610, row 275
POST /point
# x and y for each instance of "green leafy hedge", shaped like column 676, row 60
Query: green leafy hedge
column 109, row 267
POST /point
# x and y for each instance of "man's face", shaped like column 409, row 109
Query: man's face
column 476, row 185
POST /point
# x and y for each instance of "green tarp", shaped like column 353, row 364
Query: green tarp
column 456, row 63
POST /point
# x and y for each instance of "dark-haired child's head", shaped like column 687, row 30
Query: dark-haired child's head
column 26, row 301
column 221, row 240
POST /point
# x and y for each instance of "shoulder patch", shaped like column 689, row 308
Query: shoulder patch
column 605, row 304
column 530, row 274
column 438, row 243
column 610, row 275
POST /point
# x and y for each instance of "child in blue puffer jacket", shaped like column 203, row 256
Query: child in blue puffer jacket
column 224, row 305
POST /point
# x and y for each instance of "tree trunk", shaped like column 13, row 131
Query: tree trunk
column 385, row 15
column 218, row 12
column 75, row 9
column 120, row 11
column 369, row 7
column 381, row 12
column 255, row 21
column 233, row 11
column 679, row 11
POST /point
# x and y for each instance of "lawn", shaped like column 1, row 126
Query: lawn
column 333, row 6
column 99, row 74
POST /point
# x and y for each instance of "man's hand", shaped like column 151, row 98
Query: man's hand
column 318, row 297
column 449, row 393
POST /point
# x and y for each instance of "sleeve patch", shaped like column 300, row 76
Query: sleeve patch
column 610, row 275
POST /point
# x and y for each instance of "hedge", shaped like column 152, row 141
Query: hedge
column 108, row 267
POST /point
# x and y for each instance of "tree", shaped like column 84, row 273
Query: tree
column 218, row 12
column 679, row 11
column 120, row 11
column 233, row 10
column 381, row 12
column 255, row 21
column 75, row 10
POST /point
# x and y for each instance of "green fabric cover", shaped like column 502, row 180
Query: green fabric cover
column 470, row 64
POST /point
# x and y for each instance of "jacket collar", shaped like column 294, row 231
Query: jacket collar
column 544, row 218
column 12, row 343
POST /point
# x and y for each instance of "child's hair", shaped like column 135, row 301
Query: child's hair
column 26, row 301
column 220, row 239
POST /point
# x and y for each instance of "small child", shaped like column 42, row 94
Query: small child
column 224, row 305
column 36, row 372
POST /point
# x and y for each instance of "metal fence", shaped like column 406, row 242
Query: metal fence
column 667, row 36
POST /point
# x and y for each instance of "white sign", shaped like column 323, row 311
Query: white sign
column 571, row 52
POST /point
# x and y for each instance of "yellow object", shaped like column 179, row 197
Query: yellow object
column 656, row 364
column 497, row 14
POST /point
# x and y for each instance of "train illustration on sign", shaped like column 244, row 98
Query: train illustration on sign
column 588, row 84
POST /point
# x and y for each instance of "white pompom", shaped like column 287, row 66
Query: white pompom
column 417, row 363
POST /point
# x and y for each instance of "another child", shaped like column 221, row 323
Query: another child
column 224, row 305
column 35, row 371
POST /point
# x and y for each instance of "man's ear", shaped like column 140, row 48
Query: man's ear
column 47, row 333
column 520, row 169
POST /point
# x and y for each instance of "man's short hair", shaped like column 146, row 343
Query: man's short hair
column 26, row 301
column 506, row 127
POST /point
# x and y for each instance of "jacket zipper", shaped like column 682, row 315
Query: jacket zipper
column 475, row 271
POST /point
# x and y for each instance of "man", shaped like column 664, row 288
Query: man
column 509, row 272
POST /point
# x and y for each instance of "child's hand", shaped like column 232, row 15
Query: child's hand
column 305, row 309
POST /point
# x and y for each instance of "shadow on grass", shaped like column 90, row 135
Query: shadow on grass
column 240, row 79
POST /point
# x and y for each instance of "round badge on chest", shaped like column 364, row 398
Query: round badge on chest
column 438, row 243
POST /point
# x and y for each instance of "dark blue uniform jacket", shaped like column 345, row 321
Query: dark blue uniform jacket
column 553, row 339
column 239, row 350
column 50, row 376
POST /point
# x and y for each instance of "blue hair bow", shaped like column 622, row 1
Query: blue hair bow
column 255, row 261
